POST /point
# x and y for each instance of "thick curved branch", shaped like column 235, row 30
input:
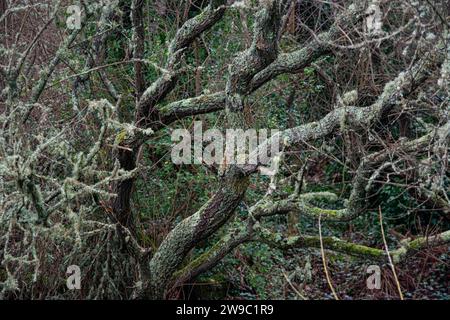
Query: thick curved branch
column 252, row 232
column 211, row 257
column 356, row 117
column 296, row 61
column 362, row 181
column 234, row 184
column 352, row 249
column 190, row 107
column 190, row 30
column 156, row 92
column 292, row 62
column 193, row 229
column 262, row 52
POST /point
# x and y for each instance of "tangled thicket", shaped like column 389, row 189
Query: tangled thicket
column 358, row 89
